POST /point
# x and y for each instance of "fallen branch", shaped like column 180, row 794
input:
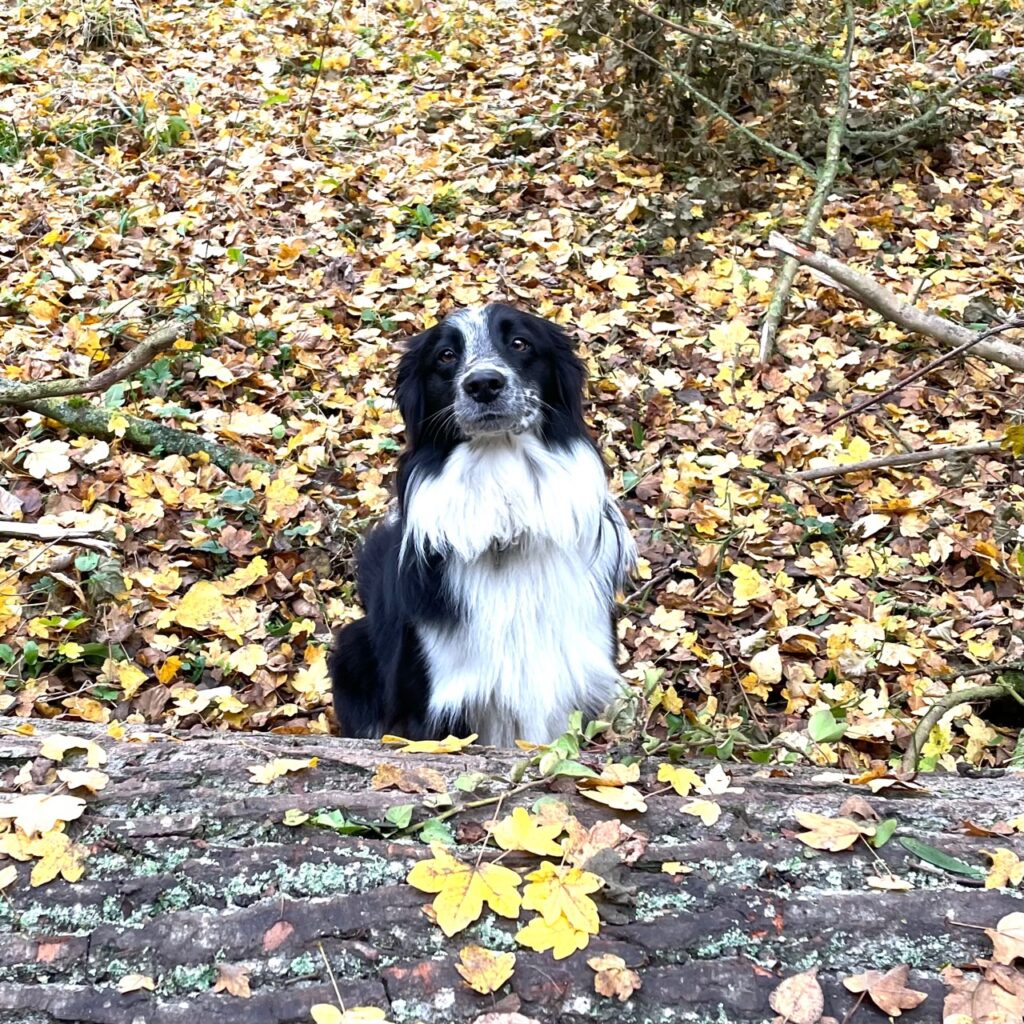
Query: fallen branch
column 55, row 534
column 95, row 422
column 974, row 695
column 949, row 451
column 1009, row 325
column 22, row 392
column 907, row 317
column 825, row 178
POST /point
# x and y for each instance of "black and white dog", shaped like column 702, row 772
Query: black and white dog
column 489, row 589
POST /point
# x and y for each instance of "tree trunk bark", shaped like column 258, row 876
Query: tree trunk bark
column 190, row 869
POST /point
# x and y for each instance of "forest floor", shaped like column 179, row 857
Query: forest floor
column 318, row 191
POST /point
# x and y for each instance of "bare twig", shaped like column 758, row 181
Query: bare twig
column 793, row 55
column 1009, row 325
column 55, row 534
column 949, row 451
column 973, row 695
column 23, row 392
column 875, row 296
column 707, row 101
column 825, row 178
column 319, row 67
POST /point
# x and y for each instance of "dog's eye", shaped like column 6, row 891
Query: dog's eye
column 446, row 356
column 518, row 345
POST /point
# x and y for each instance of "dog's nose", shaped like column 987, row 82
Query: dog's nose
column 484, row 386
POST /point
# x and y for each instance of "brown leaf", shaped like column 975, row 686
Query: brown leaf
column 613, row 979
column 799, row 999
column 1008, row 938
column 233, row 979
column 981, row 1000
column 888, row 991
column 858, row 807
column 409, row 780
column 832, row 834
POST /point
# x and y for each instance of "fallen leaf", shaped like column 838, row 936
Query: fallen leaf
column 888, row 991
column 707, row 810
column 449, row 745
column 7, row 876
column 485, row 971
column 136, row 983
column 463, row 889
column 1008, row 938
column 613, row 979
column 419, row 779
column 622, row 798
column 799, row 998
column 327, row 1013
column 522, row 831
column 832, row 834
column 55, row 747
column 58, row 855
column 1007, row 868
column 559, row 936
column 233, row 979
column 682, row 780
column 563, row 891
column 266, row 773
column 39, row 812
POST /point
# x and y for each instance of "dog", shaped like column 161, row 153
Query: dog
column 489, row 589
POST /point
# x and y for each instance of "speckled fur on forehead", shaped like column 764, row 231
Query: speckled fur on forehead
column 474, row 325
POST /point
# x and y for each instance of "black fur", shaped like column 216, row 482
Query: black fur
column 380, row 680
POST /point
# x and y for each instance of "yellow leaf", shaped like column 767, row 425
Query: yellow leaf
column 46, row 458
column 559, row 936
column 1007, row 869
column 204, row 607
column 247, row 659
column 57, row 856
column 40, row 812
column 562, row 891
column 313, row 681
column 91, row 779
column 682, row 780
column 7, row 876
column 613, row 978
column 87, row 709
column 169, row 669
column 135, row 983
column 463, row 889
column 624, row 798
column 484, row 970
column 707, row 810
column 130, row 677
column 325, row 1013
column 449, row 745
column 522, row 831
column 244, row 576
column 284, row 502
column 830, row 833
column 624, row 285
column 675, row 867
column 266, row 773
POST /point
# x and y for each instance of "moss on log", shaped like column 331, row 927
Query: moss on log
column 191, row 869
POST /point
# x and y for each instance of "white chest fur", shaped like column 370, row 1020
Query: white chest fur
column 534, row 551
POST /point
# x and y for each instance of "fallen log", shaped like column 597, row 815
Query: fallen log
column 191, row 875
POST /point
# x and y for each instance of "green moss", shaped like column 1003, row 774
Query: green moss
column 489, row 934
column 187, row 978
column 652, row 905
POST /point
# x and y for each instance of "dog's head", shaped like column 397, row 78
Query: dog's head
column 490, row 370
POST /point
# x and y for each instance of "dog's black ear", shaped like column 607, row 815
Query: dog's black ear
column 409, row 387
column 570, row 375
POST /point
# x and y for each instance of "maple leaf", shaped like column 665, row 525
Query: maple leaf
column 266, row 773
column 707, row 810
column 417, row 779
column 233, row 979
column 522, row 831
column 485, row 971
column 463, row 889
column 449, row 745
column 1008, row 938
column 682, row 780
column 40, row 812
column 799, row 998
column 888, row 991
column 613, row 978
column 47, row 458
column 832, row 834
column 563, row 892
column 57, row 856
column 90, row 779
column 1007, row 868
column 56, row 746
column 326, row 1013
column 559, row 936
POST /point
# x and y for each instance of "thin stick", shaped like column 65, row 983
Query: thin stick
column 909, row 318
column 319, row 67
column 974, row 695
column 57, row 534
column 1009, row 325
column 950, row 451
column 22, row 392
column 825, row 178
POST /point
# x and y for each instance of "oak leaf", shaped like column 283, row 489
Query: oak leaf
column 463, row 889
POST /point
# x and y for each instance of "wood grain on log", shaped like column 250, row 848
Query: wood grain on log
column 191, row 868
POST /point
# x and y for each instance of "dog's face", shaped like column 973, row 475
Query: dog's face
column 489, row 370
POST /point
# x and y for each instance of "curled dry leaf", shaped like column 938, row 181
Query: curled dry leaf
column 418, row 779
column 233, row 979
column 266, row 773
column 484, row 970
column 977, row 999
column 1008, row 938
column 832, row 834
column 136, row 983
column 613, row 978
column 888, row 991
column 449, row 745
column 799, row 999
